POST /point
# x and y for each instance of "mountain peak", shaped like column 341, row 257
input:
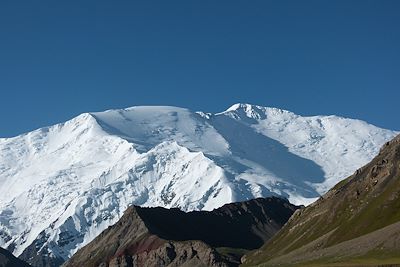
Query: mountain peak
column 256, row 112
column 63, row 184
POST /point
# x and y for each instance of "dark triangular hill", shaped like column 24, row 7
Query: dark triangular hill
column 170, row 237
column 356, row 222
column 9, row 260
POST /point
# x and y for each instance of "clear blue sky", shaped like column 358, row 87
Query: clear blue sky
column 61, row 58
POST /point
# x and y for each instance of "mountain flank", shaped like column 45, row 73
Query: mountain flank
column 171, row 237
column 356, row 222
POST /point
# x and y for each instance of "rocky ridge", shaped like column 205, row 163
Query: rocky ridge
column 170, row 237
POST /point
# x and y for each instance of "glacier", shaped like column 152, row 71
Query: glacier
column 60, row 186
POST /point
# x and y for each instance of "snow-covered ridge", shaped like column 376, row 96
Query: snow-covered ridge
column 66, row 183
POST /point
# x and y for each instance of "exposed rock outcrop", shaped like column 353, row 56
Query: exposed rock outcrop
column 171, row 237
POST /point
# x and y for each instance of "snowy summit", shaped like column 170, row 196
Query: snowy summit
column 62, row 185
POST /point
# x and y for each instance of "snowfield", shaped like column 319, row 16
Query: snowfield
column 62, row 185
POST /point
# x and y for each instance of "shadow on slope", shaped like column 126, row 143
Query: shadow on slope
column 238, row 225
column 170, row 237
column 247, row 144
column 9, row 260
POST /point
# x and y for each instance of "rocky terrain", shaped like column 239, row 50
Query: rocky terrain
column 356, row 222
column 171, row 237
column 9, row 260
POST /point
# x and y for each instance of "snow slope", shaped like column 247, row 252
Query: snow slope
column 62, row 185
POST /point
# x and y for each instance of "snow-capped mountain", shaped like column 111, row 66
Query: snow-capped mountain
column 62, row 185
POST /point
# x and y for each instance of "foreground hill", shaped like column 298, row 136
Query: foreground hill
column 9, row 260
column 171, row 237
column 62, row 185
column 358, row 221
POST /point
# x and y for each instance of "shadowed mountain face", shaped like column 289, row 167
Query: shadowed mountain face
column 356, row 222
column 266, row 151
column 170, row 237
column 9, row 260
column 239, row 225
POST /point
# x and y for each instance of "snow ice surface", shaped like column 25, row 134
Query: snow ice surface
column 66, row 183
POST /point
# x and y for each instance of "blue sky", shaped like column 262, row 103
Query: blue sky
column 61, row 58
